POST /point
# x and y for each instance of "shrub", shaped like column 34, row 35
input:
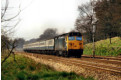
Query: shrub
column 21, row 76
column 32, row 68
column 33, row 77
column 22, row 67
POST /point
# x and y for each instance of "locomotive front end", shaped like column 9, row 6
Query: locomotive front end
column 75, row 44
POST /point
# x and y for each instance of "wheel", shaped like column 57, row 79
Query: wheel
column 67, row 55
column 79, row 56
column 57, row 53
column 60, row 53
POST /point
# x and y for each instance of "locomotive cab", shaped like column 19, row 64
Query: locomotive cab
column 69, row 44
column 75, row 44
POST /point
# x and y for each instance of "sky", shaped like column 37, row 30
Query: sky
column 38, row 15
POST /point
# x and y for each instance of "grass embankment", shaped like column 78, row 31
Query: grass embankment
column 104, row 48
column 27, row 69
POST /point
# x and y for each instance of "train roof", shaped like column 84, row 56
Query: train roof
column 70, row 34
column 65, row 34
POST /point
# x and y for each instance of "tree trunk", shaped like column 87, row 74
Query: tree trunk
column 110, row 38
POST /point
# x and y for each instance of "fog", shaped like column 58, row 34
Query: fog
column 42, row 14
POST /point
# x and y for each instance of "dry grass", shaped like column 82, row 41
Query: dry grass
column 85, row 71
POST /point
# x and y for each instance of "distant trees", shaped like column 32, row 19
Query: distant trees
column 107, row 13
column 48, row 33
column 20, row 42
column 31, row 40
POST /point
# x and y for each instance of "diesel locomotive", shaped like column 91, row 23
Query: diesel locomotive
column 68, row 44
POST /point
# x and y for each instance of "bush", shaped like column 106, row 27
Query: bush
column 32, row 68
column 33, row 77
column 64, row 74
column 22, row 67
column 21, row 76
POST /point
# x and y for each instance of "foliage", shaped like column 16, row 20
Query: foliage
column 103, row 48
column 27, row 69
column 20, row 42
column 105, row 14
column 108, row 13
column 48, row 33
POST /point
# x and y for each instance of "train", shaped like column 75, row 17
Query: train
column 67, row 45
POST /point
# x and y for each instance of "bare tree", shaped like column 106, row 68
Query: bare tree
column 9, row 46
column 9, row 20
column 10, row 12
column 9, row 16
column 7, row 11
column 84, row 22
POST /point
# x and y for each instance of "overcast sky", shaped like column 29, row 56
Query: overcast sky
column 42, row 14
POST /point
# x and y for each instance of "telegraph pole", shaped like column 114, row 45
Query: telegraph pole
column 94, row 29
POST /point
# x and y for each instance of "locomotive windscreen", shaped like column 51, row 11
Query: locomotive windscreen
column 71, row 38
column 75, row 34
column 79, row 38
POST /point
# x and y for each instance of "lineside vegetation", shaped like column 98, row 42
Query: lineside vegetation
column 104, row 48
column 27, row 69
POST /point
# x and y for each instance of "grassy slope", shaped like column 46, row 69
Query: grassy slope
column 104, row 47
column 26, row 69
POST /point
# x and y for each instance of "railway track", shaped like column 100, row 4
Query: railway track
column 113, row 59
column 103, row 57
column 98, row 66
column 79, row 62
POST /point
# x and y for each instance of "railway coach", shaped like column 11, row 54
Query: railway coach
column 68, row 44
